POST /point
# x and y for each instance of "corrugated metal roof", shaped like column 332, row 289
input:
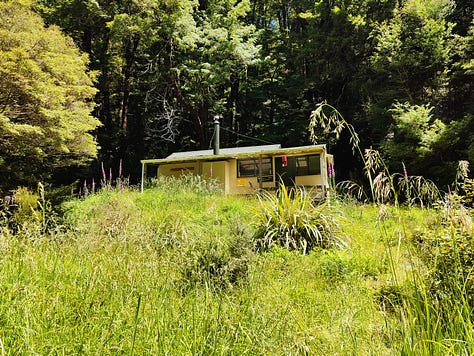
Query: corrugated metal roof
column 235, row 152
column 223, row 151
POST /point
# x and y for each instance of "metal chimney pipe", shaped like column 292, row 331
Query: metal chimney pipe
column 216, row 135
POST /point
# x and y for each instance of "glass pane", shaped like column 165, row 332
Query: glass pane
column 302, row 166
column 250, row 167
column 314, row 165
column 247, row 168
column 307, row 165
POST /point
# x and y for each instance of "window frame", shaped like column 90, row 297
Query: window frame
column 307, row 169
column 256, row 167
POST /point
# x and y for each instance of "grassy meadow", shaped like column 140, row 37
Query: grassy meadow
column 176, row 270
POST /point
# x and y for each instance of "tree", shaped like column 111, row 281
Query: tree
column 422, row 58
column 413, row 50
column 209, row 68
column 45, row 98
column 165, row 67
column 413, row 137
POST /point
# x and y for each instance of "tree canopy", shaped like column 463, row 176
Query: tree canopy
column 46, row 94
column 401, row 72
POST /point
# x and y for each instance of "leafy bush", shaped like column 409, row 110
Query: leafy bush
column 26, row 206
column 291, row 219
column 217, row 264
column 451, row 261
column 446, row 246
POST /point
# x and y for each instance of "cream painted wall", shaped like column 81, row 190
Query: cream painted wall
column 308, row 180
column 218, row 170
column 177, row 169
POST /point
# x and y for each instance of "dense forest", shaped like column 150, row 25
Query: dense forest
column 85, row 82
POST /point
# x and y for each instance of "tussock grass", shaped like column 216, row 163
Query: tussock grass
column 429, row 289
column 175, row 271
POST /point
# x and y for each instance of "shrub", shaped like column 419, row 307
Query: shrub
column 217, row 264
column 27, row 206
column 291, row 219
column 467, row 197
column 446, row 247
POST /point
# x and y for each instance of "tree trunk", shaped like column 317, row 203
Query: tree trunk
column 200, row 121
column 233, row 97
column 130, row 52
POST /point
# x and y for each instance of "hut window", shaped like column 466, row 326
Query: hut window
column 308, row 165
column 250, row 167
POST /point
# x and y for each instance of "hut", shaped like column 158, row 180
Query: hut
column 241, row 170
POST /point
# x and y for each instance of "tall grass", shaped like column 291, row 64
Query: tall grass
column 174, row 271
column 432, row 295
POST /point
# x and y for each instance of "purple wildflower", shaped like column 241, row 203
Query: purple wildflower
column 120, row 168
column 93, row 185
column 85, row 188
column 103, row 171
column 110, row 174
column 405, row 174
column 331, row 171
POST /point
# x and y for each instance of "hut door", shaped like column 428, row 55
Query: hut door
column 285, row 173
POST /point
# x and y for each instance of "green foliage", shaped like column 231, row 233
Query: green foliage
column 414, row 134
column 216, row 264
column 27, row 206
column 172, row 270
column 468, row 196
column 28, row 211
column 447, row 248
column 413, row 49
column 435, row 308
column 343, row 266
column 45, row 100
column 290, row 219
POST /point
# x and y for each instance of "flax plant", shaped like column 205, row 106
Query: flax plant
column 290, row 219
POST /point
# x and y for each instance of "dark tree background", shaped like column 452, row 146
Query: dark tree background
column 400, row 71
